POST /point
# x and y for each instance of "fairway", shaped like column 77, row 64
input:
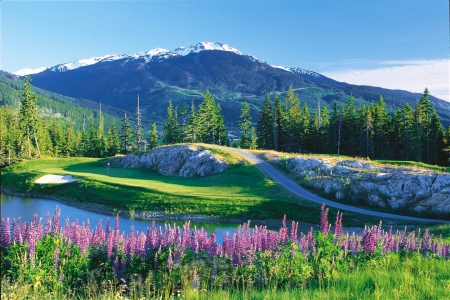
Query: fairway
column 243, row 191
column 241, row 181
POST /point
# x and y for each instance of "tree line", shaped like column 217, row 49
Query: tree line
column 410, row 133
column 24, row 133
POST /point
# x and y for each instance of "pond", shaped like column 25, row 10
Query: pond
column 16, row 206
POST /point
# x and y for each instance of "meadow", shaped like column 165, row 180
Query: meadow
column 71, row 261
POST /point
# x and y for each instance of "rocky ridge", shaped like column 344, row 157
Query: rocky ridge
column 182, row 160
column 421, row 190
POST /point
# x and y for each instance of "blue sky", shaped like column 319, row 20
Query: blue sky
column 394, row 44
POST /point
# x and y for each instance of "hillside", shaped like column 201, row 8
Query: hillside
column 53, row 105
column 184, row 74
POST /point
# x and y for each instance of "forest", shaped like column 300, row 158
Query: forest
column 368, row 131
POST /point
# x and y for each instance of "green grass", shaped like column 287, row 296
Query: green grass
column 242, row 191
column 393, row 276
column 414, row 164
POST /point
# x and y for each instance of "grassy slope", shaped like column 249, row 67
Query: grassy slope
column 242, row 191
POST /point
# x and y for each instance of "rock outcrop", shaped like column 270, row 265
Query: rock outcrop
column 182, row 160
column 421, row 190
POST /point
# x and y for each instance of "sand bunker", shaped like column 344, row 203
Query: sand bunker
column 50, row 178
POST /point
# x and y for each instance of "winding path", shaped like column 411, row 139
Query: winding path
column 296, row 189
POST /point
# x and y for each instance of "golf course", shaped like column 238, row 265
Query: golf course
column 243, row 192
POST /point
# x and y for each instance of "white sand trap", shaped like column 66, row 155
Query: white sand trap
column 50, row 178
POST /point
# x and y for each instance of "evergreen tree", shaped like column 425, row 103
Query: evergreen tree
column 221, row 128
column 172, row 133
column 29, row 118
column 126, row 135
column 278, row 119
column 210, row 122
column 379, row 123
column 253, row 139
column 70, row 143
column 265, row 127
column 349, row 134
column 191, row 128
column 57, row 138
column 140, row 142
column 245, row 124
column 113, row 140
column 426, row 111
column 291, row 123
column 153, row 137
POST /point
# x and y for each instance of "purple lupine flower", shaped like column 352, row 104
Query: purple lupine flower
column 56, row 258
column 4, row 232
column 107, row 228
column 369, row 241
column 66, row 230
column 32, row 236
column 56, row 227
column 293, row 254
column 47, row 224
column 109, row 247
column 39, row 229
column 170, row 261
column 324, row 220
column 338, row 226
column 294, row 229
column 13, row 230
column 346, row 243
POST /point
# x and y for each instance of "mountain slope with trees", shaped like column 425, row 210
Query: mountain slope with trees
column 230, row 77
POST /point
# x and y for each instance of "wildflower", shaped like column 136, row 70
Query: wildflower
column 324, row 220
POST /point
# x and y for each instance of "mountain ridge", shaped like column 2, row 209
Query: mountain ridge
column 184, row 74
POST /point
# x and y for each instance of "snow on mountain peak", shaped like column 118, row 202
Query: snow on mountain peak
column 156, row 54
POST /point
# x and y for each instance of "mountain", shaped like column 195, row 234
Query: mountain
column 52, row 105
column 184, row 74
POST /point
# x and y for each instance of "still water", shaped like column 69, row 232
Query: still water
column 26, row 208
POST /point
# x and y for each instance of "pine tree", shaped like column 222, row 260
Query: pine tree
column 253, row 139
column 278, row 119
column 349, row 135
column 191, row 128
column 426, row 111
column 126, row 135
column 291, row 123
column 221, row 128
column 140, row 143
column 208, row 120
column 265, row 126
column 29, row 118
column 113, row 140
column 57, row 138
column 171, row 131
column 245, row 124
column 153, row 137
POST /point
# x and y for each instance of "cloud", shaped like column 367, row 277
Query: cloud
column 409, row 75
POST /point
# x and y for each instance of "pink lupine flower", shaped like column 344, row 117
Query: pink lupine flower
column 169, row 260
column 324, row 220
column 56, row 258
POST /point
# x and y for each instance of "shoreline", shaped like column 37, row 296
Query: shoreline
column 161, row 216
